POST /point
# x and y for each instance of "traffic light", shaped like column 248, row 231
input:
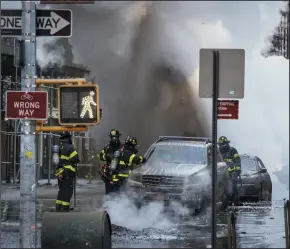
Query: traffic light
column 78, row 105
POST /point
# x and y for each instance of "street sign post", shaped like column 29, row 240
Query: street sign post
column 26, row 105
column 228, row 109
column 221, row 75
column 28, row 148
column 78, row 105
column 48, row 23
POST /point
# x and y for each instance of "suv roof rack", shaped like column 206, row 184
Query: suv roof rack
column 196, row 139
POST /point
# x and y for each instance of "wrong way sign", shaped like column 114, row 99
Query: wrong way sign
column 26, row 105
column 48, row 23
column 228, row 109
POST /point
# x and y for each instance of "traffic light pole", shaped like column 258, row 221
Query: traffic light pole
column 28, row 138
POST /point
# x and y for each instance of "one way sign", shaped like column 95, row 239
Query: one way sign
column 48, row 23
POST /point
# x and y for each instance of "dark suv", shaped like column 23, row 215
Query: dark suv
column 179, row 169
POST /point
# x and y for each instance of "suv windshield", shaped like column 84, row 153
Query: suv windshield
column 248, row 164
column 181, row 154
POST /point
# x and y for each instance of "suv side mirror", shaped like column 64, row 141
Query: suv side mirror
column 263, row 170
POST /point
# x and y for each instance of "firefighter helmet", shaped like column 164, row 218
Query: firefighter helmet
column 223, row 140
column 131, row 141
column 115, row 133
column 65, row 134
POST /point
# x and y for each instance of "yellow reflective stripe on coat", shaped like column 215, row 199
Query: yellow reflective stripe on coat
column 73, row 169
column 103, row 155
column 114, row 178
column 123, row 175
column 64, row 157
column 68, row 157
column 74, row 153
column 234, row 168
column 228, row 159
column 131, row 159
column 64, row 203
column 236, row 155
column 122, row 163
column 59, row 171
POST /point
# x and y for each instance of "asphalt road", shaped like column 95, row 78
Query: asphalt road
column 257, row 225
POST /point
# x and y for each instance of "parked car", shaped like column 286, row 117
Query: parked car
column 256, row 181
column 179, row 169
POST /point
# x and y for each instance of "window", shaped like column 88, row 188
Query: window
column 182, row 154
column 260, row 164
column 248, row 164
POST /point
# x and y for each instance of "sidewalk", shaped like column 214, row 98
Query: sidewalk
column 44, row 191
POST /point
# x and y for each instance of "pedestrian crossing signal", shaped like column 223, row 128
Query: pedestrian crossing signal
column 78, row 105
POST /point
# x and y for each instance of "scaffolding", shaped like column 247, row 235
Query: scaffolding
column 11, row 129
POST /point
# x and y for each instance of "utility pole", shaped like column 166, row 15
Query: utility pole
column 28, row 138
column 0, row 122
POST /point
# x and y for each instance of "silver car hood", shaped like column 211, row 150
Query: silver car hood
column 170, row 169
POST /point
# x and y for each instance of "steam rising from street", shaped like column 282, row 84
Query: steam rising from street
column 124, row 213
column 143, row 75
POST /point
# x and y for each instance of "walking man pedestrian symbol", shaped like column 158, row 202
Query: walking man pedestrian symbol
column 86, row 103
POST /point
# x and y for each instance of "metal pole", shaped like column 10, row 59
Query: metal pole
column 50, row 135
column 28, row 142
column 214, row 144
column 14, row 150
column 89, row 139
column 15, row 130
column 40, row 154
column 0, row 122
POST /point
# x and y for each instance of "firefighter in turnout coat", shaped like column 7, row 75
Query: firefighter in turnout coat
column 66, row 172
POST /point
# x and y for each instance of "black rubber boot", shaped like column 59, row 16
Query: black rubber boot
column 65, row 208
column 58, row 208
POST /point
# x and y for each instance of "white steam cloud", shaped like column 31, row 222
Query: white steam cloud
column 123, row 212
column 45, row 56
column 173, row 34
column 123, row 51
column 263, row 125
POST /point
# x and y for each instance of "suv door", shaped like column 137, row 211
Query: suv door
column 265, row 177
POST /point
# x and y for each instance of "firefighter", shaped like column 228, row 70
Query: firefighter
column 230, row 155
column 127, row 159
column 232, row 159
column 107, row 154
column 66, row 172
column 112, row 146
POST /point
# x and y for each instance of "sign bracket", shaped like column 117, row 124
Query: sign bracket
column 40, row 128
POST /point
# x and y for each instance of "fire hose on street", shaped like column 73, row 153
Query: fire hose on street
column 232, row 235
column 76, row 230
